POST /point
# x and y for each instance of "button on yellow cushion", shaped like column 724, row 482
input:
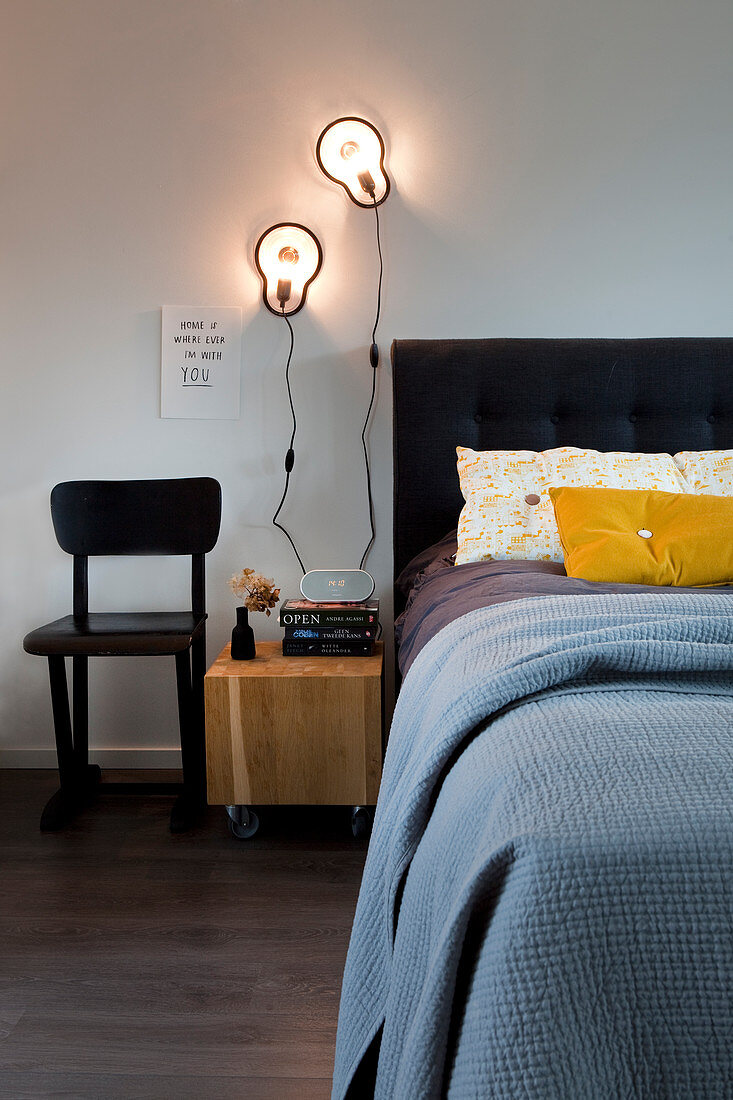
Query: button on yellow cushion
column 631, row 536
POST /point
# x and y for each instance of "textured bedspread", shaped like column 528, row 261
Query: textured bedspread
column 546, row 909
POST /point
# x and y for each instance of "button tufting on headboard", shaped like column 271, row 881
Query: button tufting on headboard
column 633, row 418
column 711, row 418
column 554, row 419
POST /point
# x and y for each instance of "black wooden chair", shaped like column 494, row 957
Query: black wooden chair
column 94, row 518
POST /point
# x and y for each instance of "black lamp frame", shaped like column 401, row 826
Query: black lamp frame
column 263, row 277
column 370, row 203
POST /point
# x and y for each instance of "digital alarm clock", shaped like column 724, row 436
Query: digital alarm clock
column 337, row 585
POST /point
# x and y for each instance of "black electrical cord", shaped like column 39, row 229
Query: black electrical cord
column 374, row 360
column 290, row 455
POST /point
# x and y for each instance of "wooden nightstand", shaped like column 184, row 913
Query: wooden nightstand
column 293, row 730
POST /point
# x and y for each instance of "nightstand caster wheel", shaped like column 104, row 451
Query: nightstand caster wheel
column 361, row 822
column 243, row 822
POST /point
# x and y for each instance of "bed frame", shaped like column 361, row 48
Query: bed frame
column 614, row 395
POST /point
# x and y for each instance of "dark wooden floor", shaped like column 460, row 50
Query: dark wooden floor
column 138, row 964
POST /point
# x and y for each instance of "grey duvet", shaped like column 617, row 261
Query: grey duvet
column 546, row 909
column 438, row 592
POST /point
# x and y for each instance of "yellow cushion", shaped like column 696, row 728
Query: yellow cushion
column 707, row 471
column 508, row 512
column 632, row 536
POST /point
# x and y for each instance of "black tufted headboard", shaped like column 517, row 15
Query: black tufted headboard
column 614, row 395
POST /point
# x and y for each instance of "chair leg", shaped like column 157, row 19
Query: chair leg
column 65, row 803
column 89, row 774
column 62, row 722
column 80, row 724
column 187, row 806
column 198, row 671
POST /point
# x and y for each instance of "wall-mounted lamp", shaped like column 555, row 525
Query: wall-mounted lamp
column 288, row 257
column 350, row 151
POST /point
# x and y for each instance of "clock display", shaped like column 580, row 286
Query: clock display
column 341, row 585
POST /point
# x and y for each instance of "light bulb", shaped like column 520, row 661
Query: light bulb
column 288, row 258
column 350, row 151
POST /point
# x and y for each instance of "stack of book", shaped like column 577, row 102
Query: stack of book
column 329, row 629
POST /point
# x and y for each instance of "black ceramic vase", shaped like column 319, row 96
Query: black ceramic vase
column 243, row 638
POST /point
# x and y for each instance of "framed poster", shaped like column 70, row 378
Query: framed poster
column 200, row 358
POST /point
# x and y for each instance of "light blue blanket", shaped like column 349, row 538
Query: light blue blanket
column 556, row 810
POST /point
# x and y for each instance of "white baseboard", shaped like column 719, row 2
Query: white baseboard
column 106, row 758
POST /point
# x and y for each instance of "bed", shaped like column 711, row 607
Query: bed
column 546, row 909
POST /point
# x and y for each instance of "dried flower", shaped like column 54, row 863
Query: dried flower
column 256, row 592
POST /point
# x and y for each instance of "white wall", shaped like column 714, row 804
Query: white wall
column 559, row 168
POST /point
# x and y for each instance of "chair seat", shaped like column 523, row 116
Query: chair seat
column 116, row 634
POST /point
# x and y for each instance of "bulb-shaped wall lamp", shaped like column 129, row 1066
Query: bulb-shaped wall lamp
column 350, row 151
column 288, row 257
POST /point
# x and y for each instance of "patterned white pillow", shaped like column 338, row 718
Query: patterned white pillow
column 508, row 514
column 707, row 472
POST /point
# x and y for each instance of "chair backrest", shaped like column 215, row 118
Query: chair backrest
column 173, row 516
column 176, row 516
